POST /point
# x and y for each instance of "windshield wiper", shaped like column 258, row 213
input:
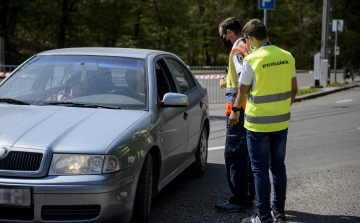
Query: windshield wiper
column 75, row 104
column 14, row 101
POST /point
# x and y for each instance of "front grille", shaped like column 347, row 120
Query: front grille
column 70, row 212
column 21, row 161
column 16, row 213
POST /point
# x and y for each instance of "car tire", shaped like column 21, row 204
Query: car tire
column 143, row 197
column 201, row 153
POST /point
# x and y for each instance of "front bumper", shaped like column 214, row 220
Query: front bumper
column 115, row 199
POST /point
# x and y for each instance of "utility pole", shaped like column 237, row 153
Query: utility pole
column 326, row 34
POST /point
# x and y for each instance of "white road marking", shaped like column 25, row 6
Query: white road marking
column 347, row 100
column 215, row 148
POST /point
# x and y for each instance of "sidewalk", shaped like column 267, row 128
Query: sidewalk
column 324, row 91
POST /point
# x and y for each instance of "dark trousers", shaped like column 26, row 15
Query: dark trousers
column 267, row 151
column 237, row 162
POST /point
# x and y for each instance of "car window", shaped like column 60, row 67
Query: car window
column 23, row 83
column 113, row 81
column 189, row 77
column 164, row 81
column 180, row 75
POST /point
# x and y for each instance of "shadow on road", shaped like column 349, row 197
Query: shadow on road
column 191, row 199
column 296, row 216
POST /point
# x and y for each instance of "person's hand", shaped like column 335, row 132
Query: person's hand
column 234, row 118
column 223, row 82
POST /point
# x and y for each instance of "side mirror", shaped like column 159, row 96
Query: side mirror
column 175, row 100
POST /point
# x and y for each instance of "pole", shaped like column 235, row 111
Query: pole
column 326, row 34
column 335, row 50
column 265, row 17
column 328, row 47
column 323, row 31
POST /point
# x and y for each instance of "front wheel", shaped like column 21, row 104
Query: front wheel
column 143, row 197
column 201, row 153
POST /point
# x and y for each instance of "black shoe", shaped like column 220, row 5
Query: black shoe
column 229, row 207
column 278, row 216
column 256, row 218
column 250, row 204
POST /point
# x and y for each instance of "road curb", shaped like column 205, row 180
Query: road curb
column 323, row 93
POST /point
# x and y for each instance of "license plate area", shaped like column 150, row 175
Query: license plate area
column 15, row 196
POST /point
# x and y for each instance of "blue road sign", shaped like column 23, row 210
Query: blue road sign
column 267, row 4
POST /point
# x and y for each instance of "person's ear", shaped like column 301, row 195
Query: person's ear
column 229, row 32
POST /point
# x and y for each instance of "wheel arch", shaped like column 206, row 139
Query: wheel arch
column 207, row 125
column 156, row 154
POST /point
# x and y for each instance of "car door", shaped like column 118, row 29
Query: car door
column 187, row 86
column 173, row 129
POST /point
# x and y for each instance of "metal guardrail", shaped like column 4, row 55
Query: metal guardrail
column 7, row 68
column 210, row 77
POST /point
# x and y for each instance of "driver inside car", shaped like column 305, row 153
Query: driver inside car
column 136, row 81
column 74, row 88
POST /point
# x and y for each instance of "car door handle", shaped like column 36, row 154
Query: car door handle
column 185, row 115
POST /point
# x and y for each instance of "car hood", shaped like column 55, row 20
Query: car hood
column 63, row 129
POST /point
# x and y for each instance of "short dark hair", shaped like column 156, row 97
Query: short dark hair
column 256, row 29
column 231, row 23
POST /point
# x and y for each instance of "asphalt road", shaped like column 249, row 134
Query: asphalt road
column 323, row 167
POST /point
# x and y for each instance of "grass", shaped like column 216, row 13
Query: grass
column 303, row 91
column 335, row 84
column 312, row 89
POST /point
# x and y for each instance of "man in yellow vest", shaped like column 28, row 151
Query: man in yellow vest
column 268, row 81
column 237, row 160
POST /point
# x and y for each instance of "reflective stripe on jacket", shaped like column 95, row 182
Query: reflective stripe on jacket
column 232, row 78
column 268, row 105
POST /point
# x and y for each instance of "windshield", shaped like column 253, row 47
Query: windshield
column 106, row 81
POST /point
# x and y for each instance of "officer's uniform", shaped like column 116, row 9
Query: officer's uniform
column 237, row 160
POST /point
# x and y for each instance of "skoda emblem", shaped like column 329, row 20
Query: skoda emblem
column 3, row 152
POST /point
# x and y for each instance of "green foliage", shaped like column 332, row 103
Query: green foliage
column 336, row 84
column 186, row 28
column 303, row 91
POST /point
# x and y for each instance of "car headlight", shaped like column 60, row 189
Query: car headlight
column 73, row 164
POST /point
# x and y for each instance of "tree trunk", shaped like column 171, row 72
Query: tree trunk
column 63, row 21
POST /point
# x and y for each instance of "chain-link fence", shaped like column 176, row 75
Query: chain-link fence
column 210, row 77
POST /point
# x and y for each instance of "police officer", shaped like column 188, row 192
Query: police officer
column 268, row 81
column 236, row 152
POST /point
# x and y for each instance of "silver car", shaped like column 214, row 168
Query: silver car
column 92, row 134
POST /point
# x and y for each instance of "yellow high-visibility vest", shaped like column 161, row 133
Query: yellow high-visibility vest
column 268, row 105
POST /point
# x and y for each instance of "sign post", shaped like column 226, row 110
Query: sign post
column 266, row 5
column 337, row 25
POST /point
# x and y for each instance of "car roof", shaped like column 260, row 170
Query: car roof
column 105, row 51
